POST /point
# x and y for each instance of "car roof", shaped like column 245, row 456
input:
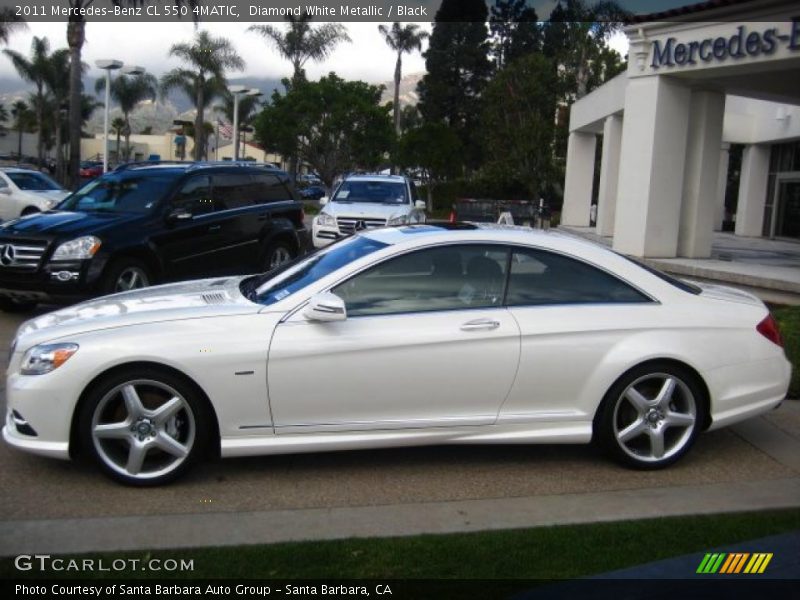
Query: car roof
column 376, row 177
column 18, row 170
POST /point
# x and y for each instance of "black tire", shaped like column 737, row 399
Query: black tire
column 641, row 407
column 277, row 254
column 119, row 270
column 10, row 305
column 107, row 404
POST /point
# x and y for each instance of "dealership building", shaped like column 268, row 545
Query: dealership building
column 700, row 81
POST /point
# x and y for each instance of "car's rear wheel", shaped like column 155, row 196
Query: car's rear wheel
column 651, row 416
column 126, row 275
column 10, row 305
column 144, row 426
column 277, row 254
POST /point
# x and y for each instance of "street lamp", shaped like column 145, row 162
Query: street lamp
column 107, row 66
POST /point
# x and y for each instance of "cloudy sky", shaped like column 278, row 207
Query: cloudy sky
column 367, row 58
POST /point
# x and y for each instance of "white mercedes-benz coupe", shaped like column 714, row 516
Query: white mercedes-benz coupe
column 424, row 334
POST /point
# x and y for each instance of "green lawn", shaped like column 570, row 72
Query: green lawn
column 540, row 553
column 788, row 318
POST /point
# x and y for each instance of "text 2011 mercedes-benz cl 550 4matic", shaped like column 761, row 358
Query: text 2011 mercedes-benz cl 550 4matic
column 426, row 334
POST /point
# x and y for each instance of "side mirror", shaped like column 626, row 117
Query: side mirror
column 325, row 307
column 420, row 204
column 6, row 191
column 323, row 201
column 178, row 214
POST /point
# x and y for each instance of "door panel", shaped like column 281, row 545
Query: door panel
column 394, row 371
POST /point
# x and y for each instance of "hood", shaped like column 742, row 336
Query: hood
column 722, row 292
column 186, row 300
column 366, row 210
column 68, row 223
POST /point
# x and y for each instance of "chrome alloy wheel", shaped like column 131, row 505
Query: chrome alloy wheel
column 131, row 278
column 143, row 429
column 655, row 417
column 279, row 256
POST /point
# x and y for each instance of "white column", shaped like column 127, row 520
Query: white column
column 752, row 190
column 651, row 168
column 700, row 179
column 609, row 175
column 722, row 185
column 579, row 179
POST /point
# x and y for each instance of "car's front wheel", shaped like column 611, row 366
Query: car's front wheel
column 125, row 275
column 11, row 305
column 651, row 416
column 277, row 254
column 144, row 426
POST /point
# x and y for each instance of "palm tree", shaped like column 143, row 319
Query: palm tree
column 128, row 93
column 402, row 40
column 36, row 70
column 9, row 22
column 301, row 42
column 22, row 122
column 209, row 58
column 58, row 96
column 3, row 114
column 76, row 36
column 118, row 126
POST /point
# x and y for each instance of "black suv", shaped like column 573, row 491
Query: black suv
column 147, row 223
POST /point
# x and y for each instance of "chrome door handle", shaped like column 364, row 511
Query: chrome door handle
column 480, row 324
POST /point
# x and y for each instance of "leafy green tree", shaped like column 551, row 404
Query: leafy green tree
column 188, row 82
column 118, row 125
column 35, row 70
column 9, row 23
column 76, row 36
column 515, row 31
column 458, row 69
column 518, row 124
column 208, row 58
column 433, row 149
column 335, row 125
column 23, row 121
column 128, row 92
column 403, row 40
column 301, row 42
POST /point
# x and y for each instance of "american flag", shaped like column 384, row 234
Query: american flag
column 225, row 130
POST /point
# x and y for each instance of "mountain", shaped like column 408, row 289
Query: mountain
column 408, row 89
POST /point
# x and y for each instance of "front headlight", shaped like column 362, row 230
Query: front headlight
column 78, row 249
column 326, row 220
column 46, row 357
column 398, row 220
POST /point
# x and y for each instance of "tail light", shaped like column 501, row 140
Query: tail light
column 769, row 329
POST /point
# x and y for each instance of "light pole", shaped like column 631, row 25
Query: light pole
column 107, row 66
column 255, row 93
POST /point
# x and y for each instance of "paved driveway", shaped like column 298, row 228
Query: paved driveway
column 36, row 489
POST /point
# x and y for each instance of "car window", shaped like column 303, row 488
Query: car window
column 115, row 192
column 270, row 188
column 195, row 196
column 3, row 183
column 277, row 285
column 33, row 182
column 376, row 192
column 443, row 278
column 234, row 190
column 539, row 277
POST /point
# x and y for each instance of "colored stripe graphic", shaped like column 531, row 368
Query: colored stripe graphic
column 732, row 563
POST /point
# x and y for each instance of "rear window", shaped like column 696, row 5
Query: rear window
column 674, row 281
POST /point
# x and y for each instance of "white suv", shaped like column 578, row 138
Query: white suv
column 366, row 202
column 25, row 191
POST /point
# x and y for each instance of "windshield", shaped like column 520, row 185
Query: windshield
column 33, row 182
column 276, row 285
column 121, row 193
column 377, row 192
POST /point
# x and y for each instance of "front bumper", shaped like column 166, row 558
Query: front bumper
column 57, row 283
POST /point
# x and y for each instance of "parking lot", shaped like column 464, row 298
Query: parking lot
column 37, row 488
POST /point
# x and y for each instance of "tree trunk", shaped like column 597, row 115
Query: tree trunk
column 118, row 145
column 59, row 161
column 19, row 142
column 127, row 132
column 39, row 121
column 198, row 121
column 76, row 34
column 398, row 71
